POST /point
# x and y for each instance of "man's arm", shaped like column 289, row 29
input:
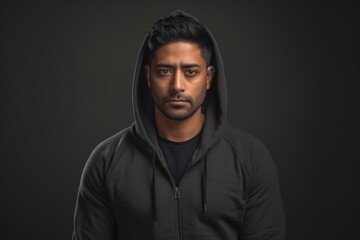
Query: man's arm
column 264, row 215
column 93, row 219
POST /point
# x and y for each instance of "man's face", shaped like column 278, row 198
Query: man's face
column 178, row 79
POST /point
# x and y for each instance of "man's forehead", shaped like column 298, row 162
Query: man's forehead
column 180, row 52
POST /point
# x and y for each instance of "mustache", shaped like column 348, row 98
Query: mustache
column 177, row 97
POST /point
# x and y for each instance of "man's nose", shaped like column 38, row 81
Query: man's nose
column 178, row 82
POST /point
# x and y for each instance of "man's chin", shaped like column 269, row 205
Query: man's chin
column 177, row 115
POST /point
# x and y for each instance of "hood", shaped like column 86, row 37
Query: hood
column 214, row 106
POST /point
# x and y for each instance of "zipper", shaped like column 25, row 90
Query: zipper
column 178, row 211
column 177, row 193
column 177, row 197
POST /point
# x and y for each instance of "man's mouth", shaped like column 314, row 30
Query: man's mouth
column 177, row 100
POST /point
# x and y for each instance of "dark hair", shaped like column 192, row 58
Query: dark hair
column 178, row 27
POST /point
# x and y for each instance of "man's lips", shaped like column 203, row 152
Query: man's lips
column 177, row 100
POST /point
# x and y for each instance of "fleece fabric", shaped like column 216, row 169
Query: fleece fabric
column 229, row 190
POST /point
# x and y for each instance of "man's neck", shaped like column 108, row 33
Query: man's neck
column 179, row 131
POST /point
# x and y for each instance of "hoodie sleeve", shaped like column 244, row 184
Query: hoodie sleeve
column 93, row 219
column 264, row 215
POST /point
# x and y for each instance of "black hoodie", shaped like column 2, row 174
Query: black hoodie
column 229, row 191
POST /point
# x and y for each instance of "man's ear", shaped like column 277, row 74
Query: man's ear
column 147, row 74
column 210, row 71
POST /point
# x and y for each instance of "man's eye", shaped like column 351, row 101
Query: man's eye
column 164, row 71
column 191, row 72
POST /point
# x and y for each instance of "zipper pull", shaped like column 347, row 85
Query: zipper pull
column 177, row 193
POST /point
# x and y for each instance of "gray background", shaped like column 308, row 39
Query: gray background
column 293, row 81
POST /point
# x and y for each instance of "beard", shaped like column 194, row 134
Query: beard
column 179, row 111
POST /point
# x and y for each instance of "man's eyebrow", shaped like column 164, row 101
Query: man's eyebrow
column 163, row 65
column 190, row 65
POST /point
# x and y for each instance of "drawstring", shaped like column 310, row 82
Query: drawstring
column 154, row 191
column 204, row 187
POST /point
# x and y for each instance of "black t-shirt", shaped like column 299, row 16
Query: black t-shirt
column 178, row 154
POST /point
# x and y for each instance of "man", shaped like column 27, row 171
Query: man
column 180, row 171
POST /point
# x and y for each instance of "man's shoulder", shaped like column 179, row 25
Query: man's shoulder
column 250, row 149
column 103, row 154
column 112, row 141
column 245, row 144
column 239, row 138
column 107, row 147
